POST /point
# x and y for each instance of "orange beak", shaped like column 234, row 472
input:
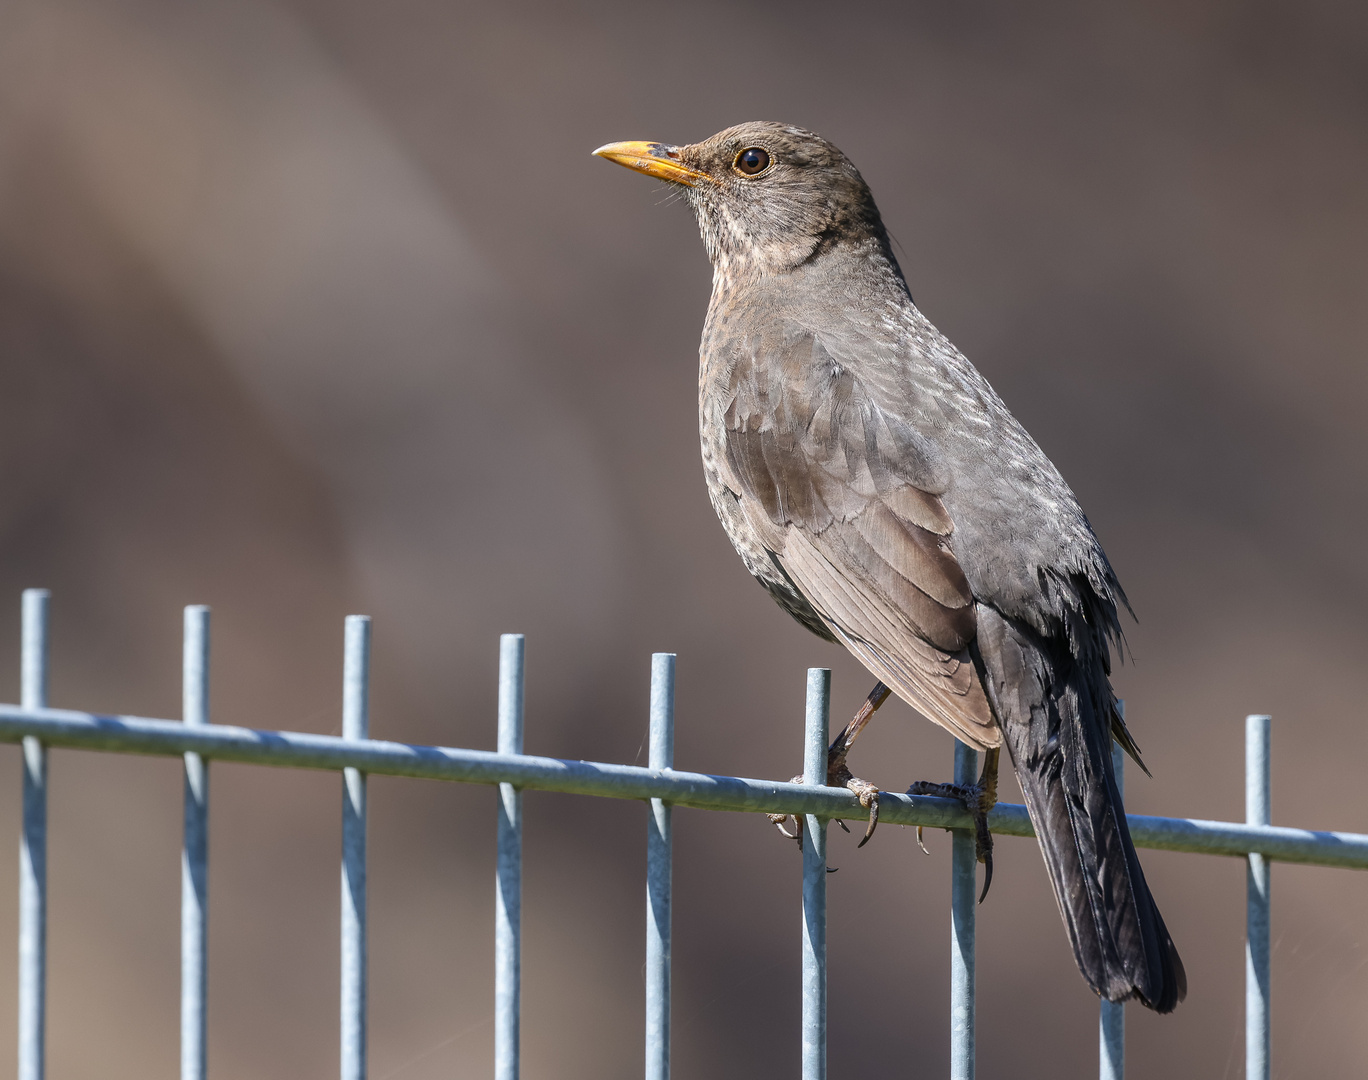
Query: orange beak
column 654, row 159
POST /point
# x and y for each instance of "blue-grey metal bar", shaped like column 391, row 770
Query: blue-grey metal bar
column 355, row 727
column 508, row 883
column 963, row 868
column 814, row 879
column 1257, row 1040
column 659, row 873
column 33, row 846
column 1111, row 1021
column 302, row 750
column 195, row 853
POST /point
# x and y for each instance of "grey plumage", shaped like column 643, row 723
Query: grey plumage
column 882, row 492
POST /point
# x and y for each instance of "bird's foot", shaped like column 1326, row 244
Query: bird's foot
column 839, row 775
column 978, row 799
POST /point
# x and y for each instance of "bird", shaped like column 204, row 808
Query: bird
column 881, row 491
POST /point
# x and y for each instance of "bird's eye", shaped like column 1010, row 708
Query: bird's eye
column 752, row 161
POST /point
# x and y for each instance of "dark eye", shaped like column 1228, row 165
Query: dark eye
column 752, row 161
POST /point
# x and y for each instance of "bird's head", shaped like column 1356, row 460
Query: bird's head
column 768, row 196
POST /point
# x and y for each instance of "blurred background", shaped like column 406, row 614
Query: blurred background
column 318, row 306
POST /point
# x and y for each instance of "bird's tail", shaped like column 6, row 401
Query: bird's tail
column 1057, row 725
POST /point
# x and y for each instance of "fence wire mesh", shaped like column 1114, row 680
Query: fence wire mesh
column 37, row 728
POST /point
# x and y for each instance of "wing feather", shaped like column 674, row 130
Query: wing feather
column 840, row 489
column 942, row 685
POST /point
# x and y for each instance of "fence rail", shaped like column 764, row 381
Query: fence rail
column 355, row 755
column 303, row 750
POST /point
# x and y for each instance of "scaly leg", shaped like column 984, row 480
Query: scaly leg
column 838, row 775
column 978, row 799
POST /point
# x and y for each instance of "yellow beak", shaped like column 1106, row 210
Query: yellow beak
column 654, row 159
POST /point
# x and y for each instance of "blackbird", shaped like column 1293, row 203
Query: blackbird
column 880, row 490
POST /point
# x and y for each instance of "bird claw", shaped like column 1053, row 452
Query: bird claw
column 869, row 799
column 978, row 799
column 779, row 821
column 983, row 850
column 838, row 775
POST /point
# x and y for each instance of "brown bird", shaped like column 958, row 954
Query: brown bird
column 879, row 489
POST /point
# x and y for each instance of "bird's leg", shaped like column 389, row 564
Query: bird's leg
column 838, row 775
column 978, row 799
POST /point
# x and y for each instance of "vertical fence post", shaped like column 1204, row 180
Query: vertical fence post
column 508, row 878
column 814, row 880
column 658, row 874
column 33, row 846
column 1257, row 1037
column 355, row 726
column 963, row 868
column 195, row 853
column 1111, row 1021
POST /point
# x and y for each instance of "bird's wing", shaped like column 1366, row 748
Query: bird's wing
column 839, row 486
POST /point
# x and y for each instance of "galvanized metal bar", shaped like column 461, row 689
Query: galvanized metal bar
column 291, row 749
column 1274, row 842
column 355, row 728
column 659, row 871
column 195, row 852
column 33, row 846
column 814, row 879
column 1257, row 911
column 302, row 750
column 508, row 878
column 1111, row 1021
column 963, row 900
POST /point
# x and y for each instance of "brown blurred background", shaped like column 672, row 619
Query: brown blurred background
column 319, row 306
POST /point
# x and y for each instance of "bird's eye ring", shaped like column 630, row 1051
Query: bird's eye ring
column 752, row 161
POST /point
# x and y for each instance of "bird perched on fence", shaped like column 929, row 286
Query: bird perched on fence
column 880, row 490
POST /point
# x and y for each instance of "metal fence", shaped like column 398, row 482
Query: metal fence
column 355, row 755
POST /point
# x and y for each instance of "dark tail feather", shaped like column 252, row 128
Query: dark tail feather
column 1056, row 724
column 1122, row 735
